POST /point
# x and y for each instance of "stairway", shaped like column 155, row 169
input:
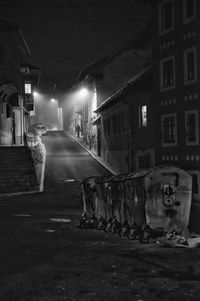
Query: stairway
column 17, row 173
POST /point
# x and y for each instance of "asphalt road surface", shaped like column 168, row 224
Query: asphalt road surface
column 45, row 257
column 66, row 160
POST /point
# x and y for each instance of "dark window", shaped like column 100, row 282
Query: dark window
column 118, row 123
column 105, row 127
column 190, row 66
column 168, row 73
column 2, row 54
column 191, row 127
column 122, row 126
column 189, row 9
column 169, row 131
column 145, row 161
column 166, row 15
column 195, row 186
column 108, row 126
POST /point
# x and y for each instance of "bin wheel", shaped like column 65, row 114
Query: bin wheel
column 82, row 225
column 144, row 236
column 116, row 227
column 132, row 234
column 108, row 226
column 123, row 232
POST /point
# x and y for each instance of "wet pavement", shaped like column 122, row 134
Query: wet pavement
column 45, row 256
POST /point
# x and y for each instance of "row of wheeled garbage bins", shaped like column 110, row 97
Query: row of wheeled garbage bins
column 138, row 205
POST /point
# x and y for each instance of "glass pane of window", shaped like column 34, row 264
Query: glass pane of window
column 168, row 73
column 195, row 186
column 190, row 65
column 108, row 126
column 189, row 9
column 169, row 130
column 27, row 88
column 167, row 16
column 144, row 161
column 191, row 127
column 143, row 115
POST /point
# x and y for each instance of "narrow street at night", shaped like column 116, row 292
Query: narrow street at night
column 99, row 150
column 44, row 256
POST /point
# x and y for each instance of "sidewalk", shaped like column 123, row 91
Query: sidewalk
column 92, row 153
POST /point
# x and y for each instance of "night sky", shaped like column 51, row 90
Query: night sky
column 66, row 35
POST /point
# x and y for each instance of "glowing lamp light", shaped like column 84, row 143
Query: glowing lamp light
column 35, row 93
column 83, row 92
column 53, row 100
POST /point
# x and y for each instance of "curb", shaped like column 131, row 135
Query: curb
column 94, row 156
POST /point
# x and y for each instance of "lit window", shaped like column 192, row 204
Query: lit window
column 189, row 8
column 27, row 88
column 167, row 73
column 191, row 126
column 169, row 130
column 166, row 19
column 190, row 66
column 143, row 116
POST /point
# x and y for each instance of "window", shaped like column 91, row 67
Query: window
column 144, row 161
column 169, row 130
column 195, row 181
column 122, row 125
column 105, row 127
column 190, row 66
column 191, row 126
column 2, row 53
column 114, row 124
column 28, row 88
column 108, row 126
column 166, row 18
column 167, row 73
column 143, row 116
column 189, row 8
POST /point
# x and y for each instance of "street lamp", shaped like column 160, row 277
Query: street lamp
column 83, row 92
column 35, row 93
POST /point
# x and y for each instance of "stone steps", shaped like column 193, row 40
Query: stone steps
column 17, row 172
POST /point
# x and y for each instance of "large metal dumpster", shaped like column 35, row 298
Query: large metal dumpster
column 110, row 192
column 168, row 192
column 92, row 196
column 89, row 195
column 159, row 197
column 135, row 198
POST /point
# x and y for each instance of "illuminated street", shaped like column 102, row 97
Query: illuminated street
column 44, row 256
column 99, row 150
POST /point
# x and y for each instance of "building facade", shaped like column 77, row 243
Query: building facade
column 16, row 99
column 175, row 56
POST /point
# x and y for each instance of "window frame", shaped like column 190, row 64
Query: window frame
column 185, row 64
column 196, row 142
column 164, row 143
column 161, row 5
column 185, row 19
column 162, row 61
